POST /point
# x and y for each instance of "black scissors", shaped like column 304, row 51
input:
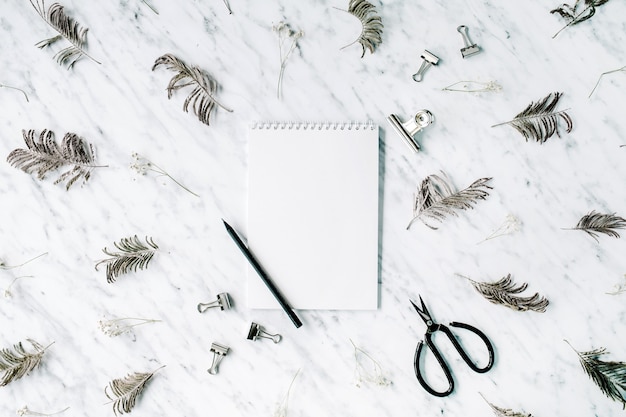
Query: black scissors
column 433, row 327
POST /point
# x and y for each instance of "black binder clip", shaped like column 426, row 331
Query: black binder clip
column 219, row 351
column 256, row 331
column 408, row 130
column 223, row 302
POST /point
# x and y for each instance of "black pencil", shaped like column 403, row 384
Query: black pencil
column 266, row 279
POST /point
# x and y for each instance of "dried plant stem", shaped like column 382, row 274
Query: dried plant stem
column 376, row 375
column 492, row 86
column 606, row 73
column 150, row 6
column 510, row 225
column 15, row 88
column 116, row 327
column 7, row 291
column 285, row 34
column 25, row 411
column 143, row 165
column 2, row 266
column 281, row 409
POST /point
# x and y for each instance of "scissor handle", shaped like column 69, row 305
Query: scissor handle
column 461, row 351
column 442, row 363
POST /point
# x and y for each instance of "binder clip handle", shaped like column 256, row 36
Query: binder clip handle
column 470, row 47
column 223, row 302
column 219, row 351
column 256, row 331
column 408, row 130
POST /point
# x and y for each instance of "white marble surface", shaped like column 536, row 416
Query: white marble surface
column 121, row 107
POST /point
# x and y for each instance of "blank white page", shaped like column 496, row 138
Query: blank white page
column 313, row 215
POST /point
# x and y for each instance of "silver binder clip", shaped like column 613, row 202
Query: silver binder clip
column 428, row 59
column 257, row 331
column 408, row 130
column 223, row 302
column 219, row 351
column 470, row 48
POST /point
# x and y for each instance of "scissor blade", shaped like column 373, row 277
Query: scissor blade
column 423, row 312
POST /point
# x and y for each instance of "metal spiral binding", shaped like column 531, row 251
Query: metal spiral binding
column 311, row 125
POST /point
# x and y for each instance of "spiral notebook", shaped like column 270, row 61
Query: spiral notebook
column 313, row 214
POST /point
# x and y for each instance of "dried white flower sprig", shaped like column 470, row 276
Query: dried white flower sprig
column 118, row 326
column 143, row 165
column 281, row 408
column 7, row 291
column 474, row 87
column 25, row 411
column 619, row 288
column 510, row 225
column 15, row 88
column 372, row 373
column 289, row 37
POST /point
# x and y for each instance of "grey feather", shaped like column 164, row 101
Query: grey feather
column 594, row 223
column 504, row 412
column 504, row 292
column 574, row 15
column 67, row 28
column 610, row 377
column 16, row 363
column 123, row 392
column 372, row 26
column 436, row 199
column 202, row 97
column 539, row 121
column 43, row 155
column 133, row 254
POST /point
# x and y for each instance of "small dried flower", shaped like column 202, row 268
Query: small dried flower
column 142, row 166
column 474, row 87
column 510, row 225
column 619, row 288
column 118, row 326
column 7, row 291
column 370, row 374
column 285, row 34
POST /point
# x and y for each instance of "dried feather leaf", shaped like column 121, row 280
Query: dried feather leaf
column 202, row 97
column 125, row 391
column 372, row 26
column 133, row 255
column 503, row 292
column 504, row 412
column 610, row 377
column 594, row 223
column 67, row 28
column 572, row 14
column 539, row 121
column 45, row 155
column 436, row 199
column 19, row 362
